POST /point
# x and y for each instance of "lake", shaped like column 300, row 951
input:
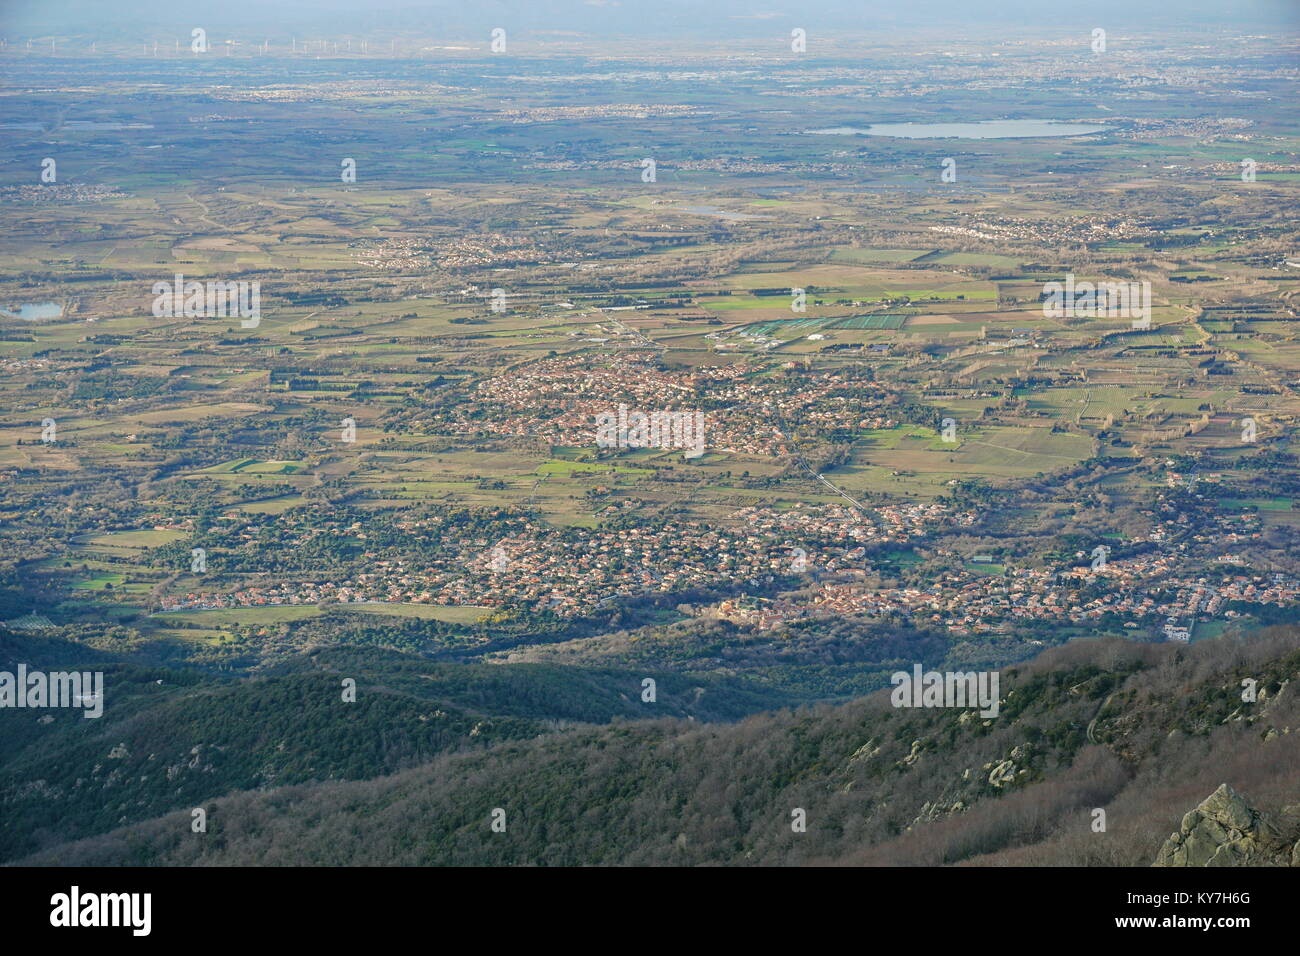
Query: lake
column 77, row 124
column 33, row 311
column 985, row 129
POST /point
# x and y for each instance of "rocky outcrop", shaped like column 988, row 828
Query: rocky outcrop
column 1227, row 831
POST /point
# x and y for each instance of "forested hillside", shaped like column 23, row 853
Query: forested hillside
column 1143, row 732
column 174, row 738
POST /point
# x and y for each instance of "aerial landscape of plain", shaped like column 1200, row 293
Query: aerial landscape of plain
column 649, row 434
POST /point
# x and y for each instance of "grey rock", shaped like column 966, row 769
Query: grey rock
column 1225, row 831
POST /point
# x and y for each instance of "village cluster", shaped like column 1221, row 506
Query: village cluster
column 822, row 555
column 561, row 400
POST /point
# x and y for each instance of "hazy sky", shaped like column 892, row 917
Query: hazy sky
column 688, row 18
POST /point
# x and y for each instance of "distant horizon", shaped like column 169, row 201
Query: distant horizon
column 660, row 20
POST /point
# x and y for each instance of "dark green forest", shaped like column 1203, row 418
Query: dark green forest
column 412, row 772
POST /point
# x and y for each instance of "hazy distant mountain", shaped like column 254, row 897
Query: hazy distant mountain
column 659, row 18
